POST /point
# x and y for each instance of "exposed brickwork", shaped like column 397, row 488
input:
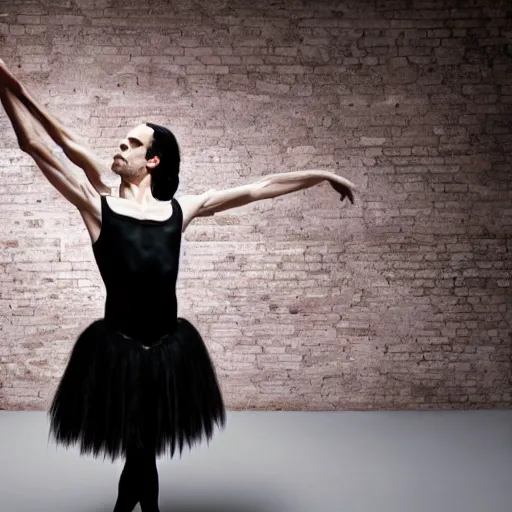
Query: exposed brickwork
column 402, row 301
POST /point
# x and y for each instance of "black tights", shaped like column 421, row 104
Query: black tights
column 138, row 482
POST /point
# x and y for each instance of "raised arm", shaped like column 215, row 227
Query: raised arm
column 80, row 193
column 74, row 148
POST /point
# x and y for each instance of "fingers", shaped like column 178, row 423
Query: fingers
column 7, row 79
column 348, row 193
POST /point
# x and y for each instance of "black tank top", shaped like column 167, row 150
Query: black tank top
column 138, row 260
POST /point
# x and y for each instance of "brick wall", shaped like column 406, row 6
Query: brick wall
column 400, row 302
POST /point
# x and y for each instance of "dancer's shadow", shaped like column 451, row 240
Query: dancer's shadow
column 215, row 508
column 214, row 504
column 219, row 506
column 227, row 506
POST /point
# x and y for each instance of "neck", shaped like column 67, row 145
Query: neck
column 137, row 192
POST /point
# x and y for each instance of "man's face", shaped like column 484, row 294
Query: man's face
column 131, row 161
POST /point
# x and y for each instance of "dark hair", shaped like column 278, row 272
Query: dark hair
column 165, row 176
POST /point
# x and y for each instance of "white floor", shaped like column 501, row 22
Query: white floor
column 453, row 461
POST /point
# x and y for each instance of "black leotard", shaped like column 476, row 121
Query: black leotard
column 138, row 261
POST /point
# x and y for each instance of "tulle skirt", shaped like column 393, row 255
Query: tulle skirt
column 117, row 392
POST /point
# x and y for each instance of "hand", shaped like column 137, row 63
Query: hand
column 343, row 186
column 7, row 80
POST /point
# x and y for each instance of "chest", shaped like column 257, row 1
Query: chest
column 159, row 212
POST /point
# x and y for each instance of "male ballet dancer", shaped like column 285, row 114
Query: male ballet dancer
column 137, row 163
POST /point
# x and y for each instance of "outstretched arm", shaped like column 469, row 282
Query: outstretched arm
column 273, row 185
column 283, row 183
column 74, row 149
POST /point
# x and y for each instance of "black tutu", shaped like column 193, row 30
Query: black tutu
column 117, row 392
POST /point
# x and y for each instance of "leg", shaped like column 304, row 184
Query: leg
column 149, row 483
column 129, row 482
column 138, row 482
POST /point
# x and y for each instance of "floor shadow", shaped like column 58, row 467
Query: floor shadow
column 214, row 505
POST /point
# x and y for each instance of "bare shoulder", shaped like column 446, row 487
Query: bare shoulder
column 192, row 207
column 194, row 203
column 91, row 211
column 92, row 203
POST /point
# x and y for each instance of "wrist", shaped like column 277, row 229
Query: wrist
column 320, row 174
column 10, row 82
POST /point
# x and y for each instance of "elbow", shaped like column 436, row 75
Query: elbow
column 258, row 191
column 27, row 145
column 32, row 147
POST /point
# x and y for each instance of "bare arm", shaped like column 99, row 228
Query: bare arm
column 269, row 186
column 31, row 142
column 73, row 147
